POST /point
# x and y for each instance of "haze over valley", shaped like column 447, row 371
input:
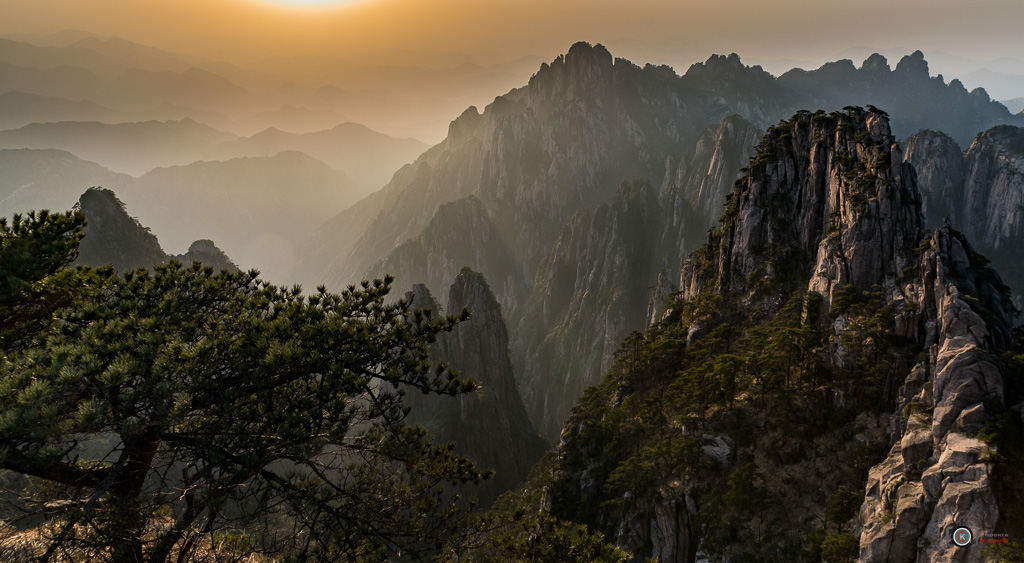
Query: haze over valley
column 698, row 272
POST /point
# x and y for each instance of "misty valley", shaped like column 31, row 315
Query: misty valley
column 622, row 312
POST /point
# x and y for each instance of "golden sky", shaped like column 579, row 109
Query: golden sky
column 507, row 29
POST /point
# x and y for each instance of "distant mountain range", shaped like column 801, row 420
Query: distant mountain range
column 128, row 77
column 368, row 157
column 136, row 148
column 258, row 209
column 133, row 148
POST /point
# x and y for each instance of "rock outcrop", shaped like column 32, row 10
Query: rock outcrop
column 938, row 476
column 834, row 192
column 938, row 160
column 207, row 253
column 461, row 232
column 116, row 238
column 825, row 228
column 980, row 192
column 994, row 188
column 490, row 425
column 720, row 153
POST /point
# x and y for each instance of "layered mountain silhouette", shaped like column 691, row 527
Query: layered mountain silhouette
column 134, row 148
column 368, row 157
column 258, row 209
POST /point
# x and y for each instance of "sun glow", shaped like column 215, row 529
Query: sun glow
column 311, row 4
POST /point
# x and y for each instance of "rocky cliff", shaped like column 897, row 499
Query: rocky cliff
column 980, row 192
column 938, row 160
column 116, row 238
column 540, row 155
column 939, row 474
column 592, row 288
column 817, row 330
column 490, row 425
column 461, row 232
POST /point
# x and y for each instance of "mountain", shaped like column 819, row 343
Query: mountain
column 258, row 209
column 51, row 81
column 1014, row 105
column 113, row 237
column 132, row 54
column 829, row 371
column 106, row 57
column 49, row 179
column 591, row 288
column 133, row 148
column 913, row 98
column 139, row 89
column 18, row 109
column 368, row 157
column 539, row 156
column 490, row 425
column 980, row 191
column 297, row 119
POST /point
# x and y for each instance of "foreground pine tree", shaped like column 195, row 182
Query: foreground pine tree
column 152, row 410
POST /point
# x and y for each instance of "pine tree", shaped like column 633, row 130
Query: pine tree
column 154, row 409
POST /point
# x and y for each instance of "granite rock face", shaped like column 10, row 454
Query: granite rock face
column 489, row 425
column 831, row 198
column 720, row 153
column 592, row 288
column 662, row 290
column 980, row 192
column 937, row 477
column 843, row 206
column 994, row 187
column 938, row 161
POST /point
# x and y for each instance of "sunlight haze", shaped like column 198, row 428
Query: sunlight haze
column 494, row 30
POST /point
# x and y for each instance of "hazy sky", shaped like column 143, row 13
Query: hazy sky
column 493, row 30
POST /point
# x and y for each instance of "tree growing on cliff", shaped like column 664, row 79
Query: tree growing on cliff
column 154, row 408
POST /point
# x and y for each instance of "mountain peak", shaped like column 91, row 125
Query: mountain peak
column 815, row 176
column 876, row 63
column 913, row 64
column 583, row 52
column 724, row 68
column 114, row 237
